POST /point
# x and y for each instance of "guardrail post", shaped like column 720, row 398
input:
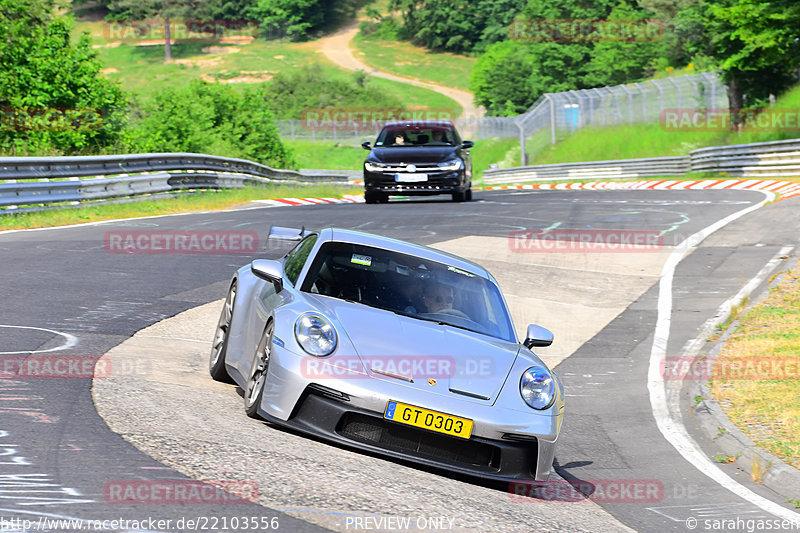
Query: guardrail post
column 552, row 118
column 522, row 157
column 678, row 87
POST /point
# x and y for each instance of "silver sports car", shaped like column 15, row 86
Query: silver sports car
column 390, row 347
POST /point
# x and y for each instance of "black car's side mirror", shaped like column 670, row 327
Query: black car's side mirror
column 365, row 145
column 467, row 144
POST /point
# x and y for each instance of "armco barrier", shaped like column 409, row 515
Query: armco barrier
column 758, row 160
column 623, row 168
column 153, row 173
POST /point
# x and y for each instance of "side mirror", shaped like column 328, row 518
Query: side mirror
column 467, row 144
column 365, row 145
column 538, row 336
column 269, row 270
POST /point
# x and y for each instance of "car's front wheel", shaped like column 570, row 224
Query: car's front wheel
column 258, row 374
column 219, row 347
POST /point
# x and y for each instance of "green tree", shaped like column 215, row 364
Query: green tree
column 756, row 44
column 618, row 62
column 541, row 61
column 502, row 79
column 461, row 26
column 52, row 94
column 158, row 11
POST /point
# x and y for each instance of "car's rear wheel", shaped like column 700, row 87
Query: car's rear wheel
column 258, row 374
column 219, row 347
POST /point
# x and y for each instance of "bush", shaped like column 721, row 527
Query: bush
column 288, row 94
column 53, row 98
column 209, row 118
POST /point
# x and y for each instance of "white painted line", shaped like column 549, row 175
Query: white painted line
column 69, row 340
column 674, row 432
column 727, row 184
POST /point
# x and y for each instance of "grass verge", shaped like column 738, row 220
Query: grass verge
column 405, row 59
column 141, row 70
column 201, row 201
column 766, row 343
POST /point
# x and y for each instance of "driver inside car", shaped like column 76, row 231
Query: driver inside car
column 438, row 297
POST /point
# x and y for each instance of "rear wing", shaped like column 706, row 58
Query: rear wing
column 287, row 234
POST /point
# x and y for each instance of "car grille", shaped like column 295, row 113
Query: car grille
column 418, row 442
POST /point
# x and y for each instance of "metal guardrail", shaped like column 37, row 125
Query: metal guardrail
column 765, row 160
column 622, row 168
column 154, row 173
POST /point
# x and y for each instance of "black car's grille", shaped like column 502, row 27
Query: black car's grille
column 419, row 442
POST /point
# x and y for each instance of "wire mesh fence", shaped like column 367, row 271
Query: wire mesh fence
column 553, row 114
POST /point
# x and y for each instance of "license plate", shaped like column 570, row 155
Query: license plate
column 410, row 178
column 427, row 419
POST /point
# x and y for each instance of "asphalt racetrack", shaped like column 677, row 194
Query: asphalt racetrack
column 70, row 293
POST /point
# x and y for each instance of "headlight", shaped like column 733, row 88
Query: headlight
column 315, row 334
column 538, row 388
column 373, row 167
column 455, row 164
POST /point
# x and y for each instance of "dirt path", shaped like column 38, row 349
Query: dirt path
column 336, row 48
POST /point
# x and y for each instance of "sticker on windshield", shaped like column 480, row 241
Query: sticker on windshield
column 459, row 271
column 361, row 260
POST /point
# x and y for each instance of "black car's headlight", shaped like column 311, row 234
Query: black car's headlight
column 453, row 164
column 538, row 388
column 315, row 334
column 371, row 166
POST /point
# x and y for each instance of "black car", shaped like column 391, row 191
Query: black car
column 418, row 158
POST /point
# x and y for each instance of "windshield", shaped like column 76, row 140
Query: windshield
column 415, row 136
column 410, row 286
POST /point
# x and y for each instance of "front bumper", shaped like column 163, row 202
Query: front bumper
column 436, row 183
column 505, row 443
column 323, row 413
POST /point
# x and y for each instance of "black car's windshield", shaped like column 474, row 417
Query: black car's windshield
column 410, row 286
column 415, row 136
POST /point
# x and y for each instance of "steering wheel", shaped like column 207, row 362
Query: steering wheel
column 454, row 312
